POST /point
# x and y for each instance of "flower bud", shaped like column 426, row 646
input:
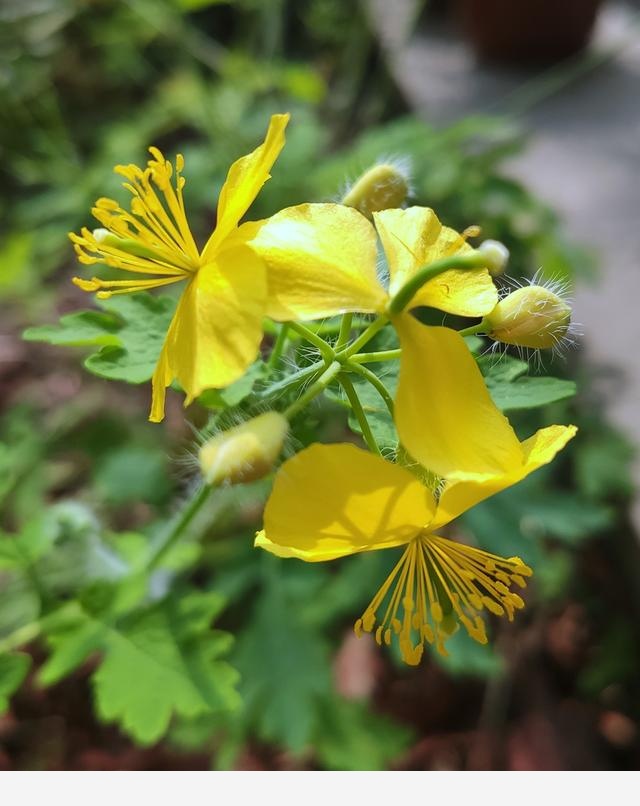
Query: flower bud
column 532, row 316
column 244, row 453
column 380, row 188
column 497, row 256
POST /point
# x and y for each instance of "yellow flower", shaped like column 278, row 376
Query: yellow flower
column 331, row 501
column 217, row 327
column 321, row 261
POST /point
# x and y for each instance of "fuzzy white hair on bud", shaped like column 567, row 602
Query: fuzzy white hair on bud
column 533, row 315
column 244, row 453
column 384, row 185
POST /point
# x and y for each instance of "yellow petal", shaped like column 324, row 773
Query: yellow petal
column 413, row 238
column 444, row 414
column 246, row 177
column 538, row 450
column 217, row 327
column 329, row 501
column 321, row 261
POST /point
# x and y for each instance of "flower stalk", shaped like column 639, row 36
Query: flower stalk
column 473, row 260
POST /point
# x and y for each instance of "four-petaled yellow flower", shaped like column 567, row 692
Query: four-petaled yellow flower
column 330, row 501
column 217, row 327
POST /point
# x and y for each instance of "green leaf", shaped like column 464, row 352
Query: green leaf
column 59, row 550
column 64, row 520
column 517, row 520
column 20, row 551
column 157, row 661
column 234, row 395
column 530, row 393
column 284, row 667
column 130, row 334
column 19, row 603
column 16, row 260
column 343, row 594
column 602, row 463
column 504, row 368
column 553, row 575
column 134, row 473
column 565, row 516
column 511, row 392
column 614, row 660
column 353, row 737
column 197, row 5
column 82, row 329
column 13, row 669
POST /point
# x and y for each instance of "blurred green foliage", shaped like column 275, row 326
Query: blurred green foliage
column 87, row 485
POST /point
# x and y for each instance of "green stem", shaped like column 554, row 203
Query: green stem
column 345, row 330
column 298, row 377
column 325, row 350
column 333, row 328
column 356, row 406
column 473, row 260
column 381, row 355
column 375, row 382
column 278, row 347
column 175, row 533
column 481, row 327
column 364, row 338
column 313, row 391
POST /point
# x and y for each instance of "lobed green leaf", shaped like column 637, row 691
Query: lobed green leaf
column 130, row 332
column 159, row 660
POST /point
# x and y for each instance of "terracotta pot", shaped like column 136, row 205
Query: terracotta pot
column 528, row 31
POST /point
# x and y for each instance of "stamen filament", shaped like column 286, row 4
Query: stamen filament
column 152, row 238
column 438, row 581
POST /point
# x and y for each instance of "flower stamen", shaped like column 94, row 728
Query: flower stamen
column 153, row 238
column 439, row 583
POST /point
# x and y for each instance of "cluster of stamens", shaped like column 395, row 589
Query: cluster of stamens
column 153, row 238
column 436, row 584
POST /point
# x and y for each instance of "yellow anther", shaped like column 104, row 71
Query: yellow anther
column 368, row 620
column 516, row 600
column 492, row 606
column 436, row 586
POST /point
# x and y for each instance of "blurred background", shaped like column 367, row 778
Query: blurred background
column 521, row 117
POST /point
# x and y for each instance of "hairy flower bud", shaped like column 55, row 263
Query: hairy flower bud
column 533, row 316
column 244, row 453
column 497, row 256
column 380, row 188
